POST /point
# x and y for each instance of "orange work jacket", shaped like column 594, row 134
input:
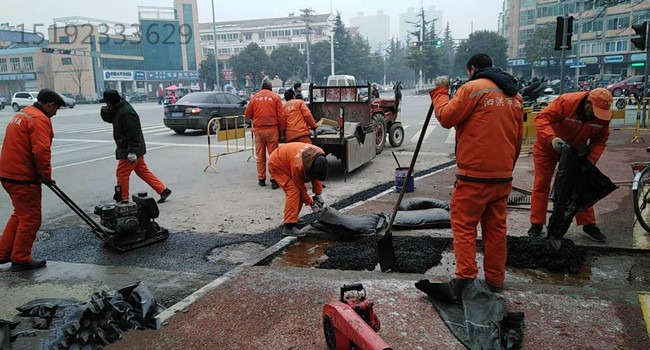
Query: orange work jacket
column 489, row 128
column 265, row 109
column 561, row 119
column 295, row 159
column 298, row 119
column 27, row 148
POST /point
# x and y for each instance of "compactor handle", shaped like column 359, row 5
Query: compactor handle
column 349, row 287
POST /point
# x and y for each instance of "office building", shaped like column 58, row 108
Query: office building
column 375, row 28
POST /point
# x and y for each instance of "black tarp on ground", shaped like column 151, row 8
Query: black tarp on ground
column 481, row 321
column 68, row 323
column 578, row 185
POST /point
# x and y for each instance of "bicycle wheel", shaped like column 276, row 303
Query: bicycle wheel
column 641, row 197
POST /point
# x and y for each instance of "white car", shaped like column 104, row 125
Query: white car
column 23, row 99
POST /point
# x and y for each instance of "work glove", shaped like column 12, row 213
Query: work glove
column 132, row 157
column 558, row 144
column 441, row 81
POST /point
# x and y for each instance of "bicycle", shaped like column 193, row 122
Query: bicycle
column 641, row 192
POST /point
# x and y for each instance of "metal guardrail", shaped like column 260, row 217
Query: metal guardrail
column 230, row 130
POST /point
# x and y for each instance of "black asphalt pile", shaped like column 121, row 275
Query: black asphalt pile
column 535, row 253
column 72, row 324
column 414, row 254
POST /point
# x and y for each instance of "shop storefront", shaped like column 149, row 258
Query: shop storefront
column 615, row 64
column 520, row 68
column 120, row 80
column 637, row 64
column 10, row 83
column 152, row 80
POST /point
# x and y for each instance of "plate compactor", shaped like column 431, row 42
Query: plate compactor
column 351, row 323
column 126, row 225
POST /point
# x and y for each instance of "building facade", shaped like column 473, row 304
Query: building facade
column 600, row 42
column 375, row 28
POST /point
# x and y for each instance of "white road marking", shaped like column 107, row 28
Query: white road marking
column 170, row 144
column 68, row 145
column 415, row 137
column 451, row 138
column 97, row 159
column 58, row 153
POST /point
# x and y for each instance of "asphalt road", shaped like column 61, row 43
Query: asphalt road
column 214, row 218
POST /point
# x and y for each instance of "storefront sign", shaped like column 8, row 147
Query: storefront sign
column 112, row 75
column 172, row 75
column 589, row 60
column 519, row 62
column 24, row 76
column 228, row 74
column 637, row 57
column 614, row 59
column 139, row 75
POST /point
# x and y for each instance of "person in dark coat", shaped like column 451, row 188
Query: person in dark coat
column 131, row 148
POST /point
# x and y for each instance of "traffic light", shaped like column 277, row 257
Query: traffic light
column 438, row 43
column 642, row 31
column 559, row 32
column 416, row 44
column 48, row 50
column 65, row 52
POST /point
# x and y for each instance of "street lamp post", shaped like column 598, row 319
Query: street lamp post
column 216, row 55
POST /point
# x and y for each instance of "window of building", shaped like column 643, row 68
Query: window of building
column 640, row 18
column 3, row 64
column 521, row 52
column 28, row 63
column 618, row 22
column 296, row 32
column 66, row 61
column 261, row 35
column 15, row 64
column 248, row 36
column 527, row 3
column 223, row 51
column 591, row 47
column 525, row 35
column 527, row 17
column 619, row 44
column 64, row 40
column 589, row 25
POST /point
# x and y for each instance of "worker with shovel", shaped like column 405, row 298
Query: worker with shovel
column 291, row 165
column 487, row 113
column 25, row 163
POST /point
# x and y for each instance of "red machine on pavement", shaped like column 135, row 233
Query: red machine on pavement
column 351, row 323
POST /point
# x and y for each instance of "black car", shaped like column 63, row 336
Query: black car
column 195, row 110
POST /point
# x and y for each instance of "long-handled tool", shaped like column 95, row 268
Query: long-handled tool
column 97, row 230
column 396, row 161
column 385, row 247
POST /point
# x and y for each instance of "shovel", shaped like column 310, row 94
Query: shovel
column 385, row 247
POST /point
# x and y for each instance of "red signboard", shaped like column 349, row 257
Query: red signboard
column 228, row 74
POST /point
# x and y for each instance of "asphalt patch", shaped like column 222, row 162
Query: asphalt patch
column 418, row 254
column 413, row 254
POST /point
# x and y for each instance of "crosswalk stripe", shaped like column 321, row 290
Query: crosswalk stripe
column 158, row 129
column 451, row 138
column 415, row 137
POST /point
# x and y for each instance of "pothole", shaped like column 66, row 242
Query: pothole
column 234, row 253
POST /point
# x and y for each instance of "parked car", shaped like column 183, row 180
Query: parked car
column 23, row 99
column 194, row 111
column 69, row 101
column 304, row 90
column 631, row 83
column 607, row 79
column 135, row 97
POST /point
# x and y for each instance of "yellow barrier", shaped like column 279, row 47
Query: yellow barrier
column 229, row 129
column 529, row 130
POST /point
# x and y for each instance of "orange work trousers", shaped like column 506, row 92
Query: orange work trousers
column 485, row 203
column 124, row 170
column 544, row 164
column 266, row 141
column 20, row 232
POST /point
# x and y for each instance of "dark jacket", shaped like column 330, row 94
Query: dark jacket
column 506, row 82
column 127, row 131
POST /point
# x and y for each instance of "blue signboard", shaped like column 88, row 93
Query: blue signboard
column 172, row 75
column 139, row 75
column 24, row 76
column 613, row 59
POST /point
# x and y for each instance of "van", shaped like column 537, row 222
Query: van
column 341, row 80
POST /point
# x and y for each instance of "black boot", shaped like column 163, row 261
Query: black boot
column 164, row 195
column 274, row 185
column 32, row 265
column 261, row 182
column 535, row 230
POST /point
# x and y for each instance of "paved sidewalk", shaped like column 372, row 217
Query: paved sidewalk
column 273, row 307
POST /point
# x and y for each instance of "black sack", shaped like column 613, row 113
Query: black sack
column 578, row 185
column 421, row 219
column 417, row 203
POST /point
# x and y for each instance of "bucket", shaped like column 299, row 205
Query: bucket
column 400, row 175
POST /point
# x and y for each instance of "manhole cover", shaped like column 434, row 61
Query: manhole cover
column 235, row 253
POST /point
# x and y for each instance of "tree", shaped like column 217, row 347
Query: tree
column 320, row 62
column 207, row 71
column 447, row 57
column 396, row 70
column 483, row 41
column 75, row 71
column 306, row 15
column 287, row 62
column 541, row 47
column 252, row 61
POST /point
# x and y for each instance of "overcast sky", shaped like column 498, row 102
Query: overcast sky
column 461, row 14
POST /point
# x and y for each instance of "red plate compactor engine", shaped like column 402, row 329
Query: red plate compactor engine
column 351, row 323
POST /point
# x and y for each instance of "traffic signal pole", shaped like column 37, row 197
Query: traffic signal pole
column 564, row 47
column 646, row 86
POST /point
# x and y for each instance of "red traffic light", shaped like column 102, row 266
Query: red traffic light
column 47, row 50
column 64, row 52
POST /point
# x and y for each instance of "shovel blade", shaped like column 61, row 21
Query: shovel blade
column 386, row 252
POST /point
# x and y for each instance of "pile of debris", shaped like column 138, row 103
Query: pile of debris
column 73, row 324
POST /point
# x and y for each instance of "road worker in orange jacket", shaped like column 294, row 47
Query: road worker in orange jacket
column 575, row 119
column 25, row 163
column 265, row 109
column 291, row 165
column 487, row 113
column 299, row 119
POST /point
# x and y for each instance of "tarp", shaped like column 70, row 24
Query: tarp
column 332, row 224
column 578, row 185
column 476, row 316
